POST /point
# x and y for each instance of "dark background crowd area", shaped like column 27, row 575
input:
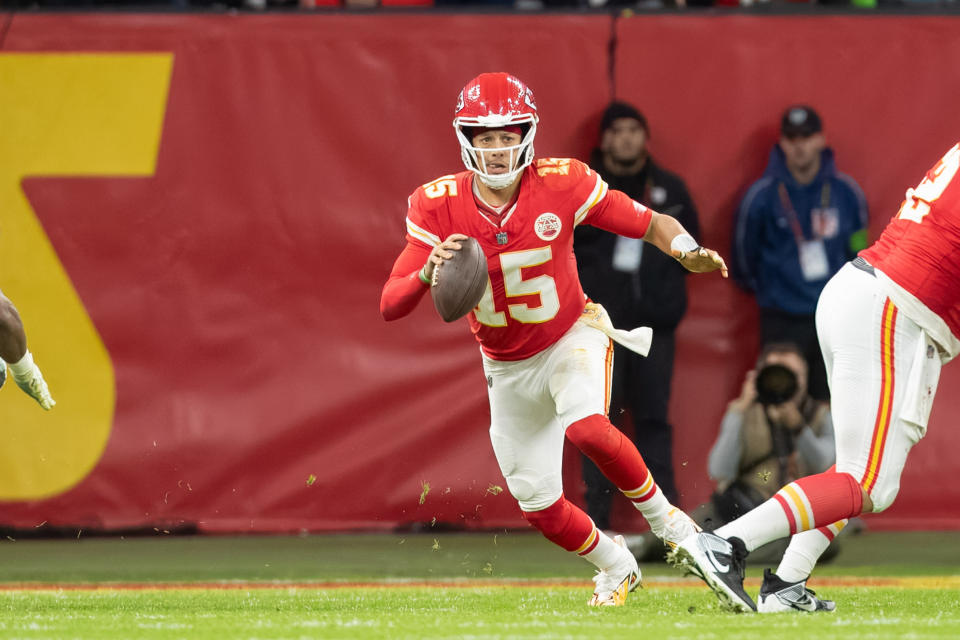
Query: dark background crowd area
column 519, row 5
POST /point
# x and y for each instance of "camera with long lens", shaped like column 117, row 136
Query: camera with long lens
column 776, row 384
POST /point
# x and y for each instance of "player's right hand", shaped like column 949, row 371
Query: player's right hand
column 441, row 252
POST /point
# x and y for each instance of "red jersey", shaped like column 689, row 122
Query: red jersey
column 919, row 252
column 533, row 294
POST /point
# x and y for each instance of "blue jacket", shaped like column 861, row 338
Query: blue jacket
column 765, row 248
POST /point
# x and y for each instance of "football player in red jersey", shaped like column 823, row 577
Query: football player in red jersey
column 13, row 349
column 546, row 352
column 887, row 322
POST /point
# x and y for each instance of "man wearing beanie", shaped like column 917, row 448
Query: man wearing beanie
column 637, row 287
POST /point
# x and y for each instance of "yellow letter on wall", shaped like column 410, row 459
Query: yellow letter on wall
column 64, row 115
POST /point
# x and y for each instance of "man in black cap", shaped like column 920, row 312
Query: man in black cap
column 638, row 288
column 795, row 228
column 802, row 142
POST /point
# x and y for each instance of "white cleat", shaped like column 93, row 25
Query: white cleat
column 675, row 527
column 32, row 383
column 615, row 583
column 777, row 596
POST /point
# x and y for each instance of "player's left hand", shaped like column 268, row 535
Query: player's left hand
column 701, row 260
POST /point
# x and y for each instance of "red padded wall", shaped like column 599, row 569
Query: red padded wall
column 259, row 247
column 713, row 89
column 256, row 354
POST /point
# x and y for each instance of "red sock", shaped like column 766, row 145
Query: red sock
column 565, row 524
column 610, row 450
column 820, row 500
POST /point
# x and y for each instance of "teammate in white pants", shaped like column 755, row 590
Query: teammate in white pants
column 887, row 322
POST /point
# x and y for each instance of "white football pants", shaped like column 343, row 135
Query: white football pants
column 883, row 372
column 533, row 401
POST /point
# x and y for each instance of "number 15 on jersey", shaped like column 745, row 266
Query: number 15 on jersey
column 512, row 265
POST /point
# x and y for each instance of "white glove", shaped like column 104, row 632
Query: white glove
column 28, row 377
column 637, row 340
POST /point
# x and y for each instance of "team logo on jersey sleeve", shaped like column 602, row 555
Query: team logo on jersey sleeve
column 547, row 226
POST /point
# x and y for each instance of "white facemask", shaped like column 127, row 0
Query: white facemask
column 518, row 157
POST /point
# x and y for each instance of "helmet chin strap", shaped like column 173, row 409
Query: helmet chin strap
column 497, row 182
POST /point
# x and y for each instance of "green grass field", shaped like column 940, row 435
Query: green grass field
column 443, row 585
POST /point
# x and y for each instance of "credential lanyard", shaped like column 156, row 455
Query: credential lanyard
column 792, row 213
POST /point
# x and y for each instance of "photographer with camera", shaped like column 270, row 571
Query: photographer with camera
column 773, row 433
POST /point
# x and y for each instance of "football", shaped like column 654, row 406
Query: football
column 459, row 283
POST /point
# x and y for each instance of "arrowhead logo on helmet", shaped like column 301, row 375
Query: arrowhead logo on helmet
column 495, row 101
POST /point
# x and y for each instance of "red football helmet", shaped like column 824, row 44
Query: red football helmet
column 494, row 101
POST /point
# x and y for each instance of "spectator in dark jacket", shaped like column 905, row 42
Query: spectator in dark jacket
column 797, row 225
column 637, row 287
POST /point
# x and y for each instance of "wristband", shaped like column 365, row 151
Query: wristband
column 423, row 276
column 684, row 243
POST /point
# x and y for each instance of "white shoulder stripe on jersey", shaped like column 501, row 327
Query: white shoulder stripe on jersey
column 598, row 193
column 422, row 234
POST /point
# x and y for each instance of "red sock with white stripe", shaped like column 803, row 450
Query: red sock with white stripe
column 810, row 502
column 617, row 457
column 566, row 525
column 805, row 549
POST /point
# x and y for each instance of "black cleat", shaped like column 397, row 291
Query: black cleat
column 720, row 563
